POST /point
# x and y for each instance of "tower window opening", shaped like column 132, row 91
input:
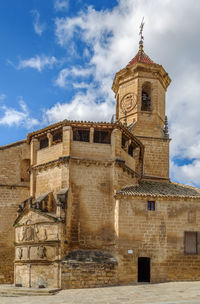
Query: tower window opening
column 146, row 101
column 57, row 137
column 124, row 143
column 146, row 97
column 131, row 149
column 102, row 137
column 44, row 143
column 81, row 135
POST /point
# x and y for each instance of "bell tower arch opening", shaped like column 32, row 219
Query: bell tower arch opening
column 146, row 97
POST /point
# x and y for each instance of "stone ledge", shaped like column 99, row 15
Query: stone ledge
column 90, row 256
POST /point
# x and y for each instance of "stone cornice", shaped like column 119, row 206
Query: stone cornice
column 157, row 71
column 38, row 243
column 17, row 143
column 154, row 138
column 86, row 124
column 52, row 163
column 87, row 162
column 37, row 262
column 13, row 186
column 151, row 177
column 157, row 197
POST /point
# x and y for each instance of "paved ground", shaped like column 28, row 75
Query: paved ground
column 165, row 293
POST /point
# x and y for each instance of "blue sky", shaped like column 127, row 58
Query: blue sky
column 58, row 59
column 27, row 30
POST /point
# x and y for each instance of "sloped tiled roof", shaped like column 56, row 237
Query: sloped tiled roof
column 160, row 189
column 141, row 56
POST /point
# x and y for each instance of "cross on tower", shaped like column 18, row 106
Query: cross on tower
column 141, row 33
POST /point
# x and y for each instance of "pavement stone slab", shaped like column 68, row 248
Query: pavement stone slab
column 163, row 293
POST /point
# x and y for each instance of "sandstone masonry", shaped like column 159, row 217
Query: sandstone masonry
column 92, row 203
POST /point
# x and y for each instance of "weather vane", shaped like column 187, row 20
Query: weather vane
column 141, row 33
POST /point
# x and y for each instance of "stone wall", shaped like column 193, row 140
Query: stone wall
column 48, row 179
column 158, row 235
column 88, row 275
column 90, row 150
column 90, row 207
column 156, row 157
column 49, row 153
column 13, row 191
column 85, row 269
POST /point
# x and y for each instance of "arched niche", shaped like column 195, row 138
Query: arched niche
column 25, row 170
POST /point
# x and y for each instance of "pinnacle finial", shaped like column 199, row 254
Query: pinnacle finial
column 166, row 134
column 141, row 34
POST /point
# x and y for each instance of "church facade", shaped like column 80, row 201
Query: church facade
column 87, row 204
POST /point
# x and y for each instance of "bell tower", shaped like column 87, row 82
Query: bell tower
column 140, row 90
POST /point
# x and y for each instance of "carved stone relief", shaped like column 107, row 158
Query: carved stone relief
column 40, row 233
column 19, row 253
column 27, row 234
column 37, row 232
column 128, row 102
column 42, row 252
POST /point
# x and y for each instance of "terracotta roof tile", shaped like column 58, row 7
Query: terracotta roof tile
column 141, row 56
column 160, row 189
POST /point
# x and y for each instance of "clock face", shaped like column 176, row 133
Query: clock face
column 128, row 102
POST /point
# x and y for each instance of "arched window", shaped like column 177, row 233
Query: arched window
column 25, row 170
column 146, row 97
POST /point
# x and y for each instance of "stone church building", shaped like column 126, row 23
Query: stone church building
column 87, row 204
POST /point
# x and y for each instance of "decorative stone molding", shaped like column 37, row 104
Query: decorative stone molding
column 88, row 162
column 42, row 252
column 53, row 163
column 14, row 186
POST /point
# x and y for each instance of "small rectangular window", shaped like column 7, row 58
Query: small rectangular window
column 130, row 150
column 190, row 242
column 102, row 137
column 81, row 135
column 151, row 205
column 44, row 143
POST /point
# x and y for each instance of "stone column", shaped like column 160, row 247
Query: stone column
column 116, row 142
column 34, row 148
column 50, row 138
column 91, row 135
column 66, row 151
column 67, row 138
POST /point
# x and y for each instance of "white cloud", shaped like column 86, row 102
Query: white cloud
column 61, row 5
column 12, row 117
column 38, row 26
column 188, row 174
column 65, row 75
column 81, row 85
column 81, row 107
column 110, row 38
column 37, row 62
